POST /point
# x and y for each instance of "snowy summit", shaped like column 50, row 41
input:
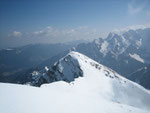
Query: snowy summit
column 80, row 85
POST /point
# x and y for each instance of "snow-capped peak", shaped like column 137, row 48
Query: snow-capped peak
column 94, row 77
column 70, row 67
column 89, row 86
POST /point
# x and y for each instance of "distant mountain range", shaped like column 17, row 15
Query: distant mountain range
column 125, row 52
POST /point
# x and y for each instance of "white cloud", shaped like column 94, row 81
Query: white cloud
column 49, row 27
column 135, row 8
column 38, row 32
column 81, row 32
column 17, row 34
column 46, row 31
column 133, row 27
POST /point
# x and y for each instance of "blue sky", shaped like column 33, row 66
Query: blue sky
column 51, row 21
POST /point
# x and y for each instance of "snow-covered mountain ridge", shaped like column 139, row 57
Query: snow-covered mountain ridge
column 69, row 67
column 75, row 65
column 80, row 84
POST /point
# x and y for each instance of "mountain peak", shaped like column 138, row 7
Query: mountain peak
column 67, row 69
column 93, row 77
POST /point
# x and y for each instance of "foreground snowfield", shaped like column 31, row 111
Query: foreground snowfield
column 100, row 90
column 57, row 98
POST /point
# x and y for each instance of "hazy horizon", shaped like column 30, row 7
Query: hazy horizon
column 30, row 22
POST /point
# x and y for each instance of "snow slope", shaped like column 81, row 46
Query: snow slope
column 96, row 89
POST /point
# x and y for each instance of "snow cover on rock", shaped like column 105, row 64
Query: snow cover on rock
column 139, row 42
column 96, row 89
column 118, row 42
column 104, row 48
column 137, row 57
